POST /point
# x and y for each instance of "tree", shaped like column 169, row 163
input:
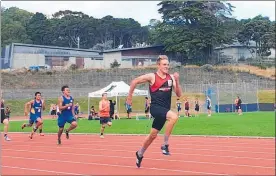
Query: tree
column 193, row 27
column 260, row 30
column 13, row 25
column 114, row 64
column 38, row 29
column 66, row 27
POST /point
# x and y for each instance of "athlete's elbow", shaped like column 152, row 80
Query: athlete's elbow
column 133, row 83
column 178, row 93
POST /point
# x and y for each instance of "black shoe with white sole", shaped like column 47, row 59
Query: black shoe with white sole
column 138, row 160
column 165, row 149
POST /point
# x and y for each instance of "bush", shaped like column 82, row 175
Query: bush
column 207, row 67
column 115, row 64
column 73, row 67
column 259, row 65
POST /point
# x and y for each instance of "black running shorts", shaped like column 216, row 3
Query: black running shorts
column 3, row 116
column 159, row 114
column 104, row 120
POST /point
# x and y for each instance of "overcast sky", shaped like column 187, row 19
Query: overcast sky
column 141, row 11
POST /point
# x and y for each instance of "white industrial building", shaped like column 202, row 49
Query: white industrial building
column 19, row 55
column 237, row 51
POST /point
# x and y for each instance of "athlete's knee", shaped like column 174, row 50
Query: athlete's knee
column 172, row 116
column 75, row 124
column 109, row 123
column 6, row 122
column 153, row 134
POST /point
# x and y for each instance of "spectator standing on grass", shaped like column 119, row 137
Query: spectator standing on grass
column 112, row 109
column 4, row 119
column 178, row 106
column 77, row 109
column 238, row 103
column 116, row 116
column 53, row 110
column 196, row 107
column 187, row 107
column 209, row 106
column 147, row 107
column 128, row 109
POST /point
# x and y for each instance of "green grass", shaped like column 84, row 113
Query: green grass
column 249, row 124
column 17, row 106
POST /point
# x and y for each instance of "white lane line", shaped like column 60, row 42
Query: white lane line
column 111, row 165
column 154, row 159
column 40, row 170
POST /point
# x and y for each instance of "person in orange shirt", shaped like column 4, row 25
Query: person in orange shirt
column 104, row 112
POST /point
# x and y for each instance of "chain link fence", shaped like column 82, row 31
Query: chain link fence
column 223, row 87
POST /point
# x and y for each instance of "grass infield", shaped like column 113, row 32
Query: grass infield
column 224, row 124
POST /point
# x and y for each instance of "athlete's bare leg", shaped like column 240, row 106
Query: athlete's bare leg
column 40, row 130
column 103, row 127
column 6, row 129
column 73, row 125
column 38, row 124
column 149, row 139
column 172, row 118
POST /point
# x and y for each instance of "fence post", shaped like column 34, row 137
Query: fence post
column 245, row 85
column 232, row 96
column 257, row 92
column 218, row 95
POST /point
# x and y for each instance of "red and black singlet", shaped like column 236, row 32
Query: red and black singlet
column 161, row 91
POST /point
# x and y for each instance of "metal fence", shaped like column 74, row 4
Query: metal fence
column 222, row 96
column 222, row 86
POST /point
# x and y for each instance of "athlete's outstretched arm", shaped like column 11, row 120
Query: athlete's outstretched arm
column 60, row 99
column 73, row 108
column 100, row 106
column 176, row 84
column 140, row 80
column 27, row 106
column 43, row 104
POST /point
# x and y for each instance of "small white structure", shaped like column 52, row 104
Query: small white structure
column 115, row 89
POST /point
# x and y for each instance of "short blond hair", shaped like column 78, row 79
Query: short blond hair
column 162, row 57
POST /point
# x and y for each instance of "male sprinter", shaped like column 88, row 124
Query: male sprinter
column 4, row 120
column 40, row 128
column 104, row 111
column 34, row 107
column 161, row 84
column 66, row 114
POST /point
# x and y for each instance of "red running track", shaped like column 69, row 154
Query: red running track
column 115, row 155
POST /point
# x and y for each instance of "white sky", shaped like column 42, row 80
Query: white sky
column 141, row 11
